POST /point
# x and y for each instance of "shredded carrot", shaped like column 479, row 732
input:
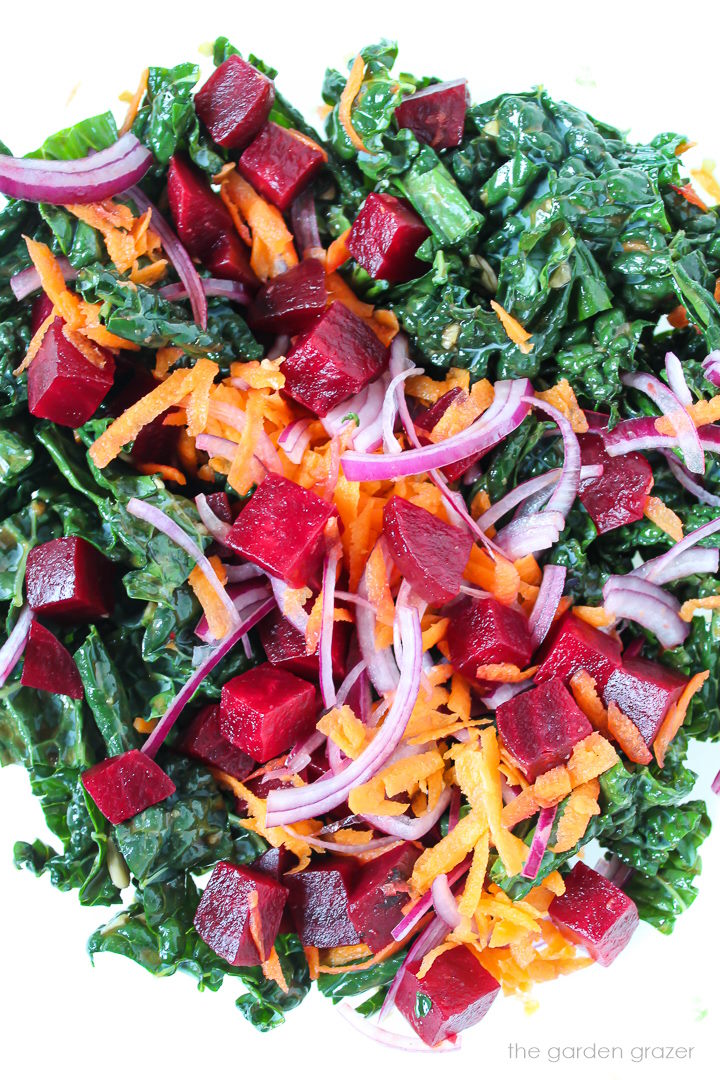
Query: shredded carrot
column 504, row 673
column 350, row 92
column 434, row 634
column 461, row 413
column 514, row 330
column 475, row 880
column 678, row 318
column 378, row 957
column 482, row 394
column 459, row 702
column 150, row 274
column 706, row 178
column 403, row 775
column 627, row 736
column 215, row 613
column 337, row 253
column 272, row 970
column 562, row 396
column 37, row 340
column 552, row 786
column 378, row 586
column 584, row 690
column 520, row 808
column 430, row 957
column 168, row 472
column 448, row 852
column 716, row 293
column 595, row 616
column 369, row 798
column 273, row 250
column 690, row 195
column 703, row 603
column 529, row 570
column 479, row 777
column 676, row 717
column 144, row 727
column 135, row 103
column 591, row 757
column 664, row 518
column 430, row 390
column 498, row 576
column 165, row 358
column 579, row 809
column 199, row 405
column 255, row 923
column 242, row 475
column 312, row 955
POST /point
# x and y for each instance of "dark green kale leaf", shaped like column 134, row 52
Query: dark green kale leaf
column 265, row 1004
column 167, row 122
column 105, row 694
column 351, row 984
column 95, row 133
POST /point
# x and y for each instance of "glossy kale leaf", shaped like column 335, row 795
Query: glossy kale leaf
column 265, row 1004
column 167, row 122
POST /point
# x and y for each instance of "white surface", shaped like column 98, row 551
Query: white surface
column 620, row 61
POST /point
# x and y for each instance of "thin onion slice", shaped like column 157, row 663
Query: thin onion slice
column 711, row 367
column 444, row 902
column 643, row 602
column 13, row 648
column 295, row 439
column 531, row 534
column 407, row 1043
column 564, row 494
column 676, row 379
column 26, row 282
column 540, row 841
column 228, row 290
column 243, row 596
column 527, row 489
column 423, row 905
column 327, row 685
column 405, row 827
column 659, row 566
column 671, row 407
column 686, row 480
column 546, row 603
column 218, row 529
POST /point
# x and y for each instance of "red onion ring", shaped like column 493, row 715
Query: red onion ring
column 641, row 601
column 13, row 648
column 218, row 529
column 670, row 405
column 711, row 367
column 405, row 827
column 685, row 479
column 295, row 439
column 541, row 838
column 26, row 282
column 408, row 1043
column 230, row 290
column 242, row 596
column 301, row 754
column 659, row 566
column 526, row 489
column 327, row 685
column 444, row 902
column 381, row 668
column 296, row 615
column 408, row 923
column 350, row 679
column 676, row 379
column 564, row 494
column 528, row 535
column 546, row 603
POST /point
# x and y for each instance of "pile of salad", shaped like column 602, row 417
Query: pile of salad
column 359, row 534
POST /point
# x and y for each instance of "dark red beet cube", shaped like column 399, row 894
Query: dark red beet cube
column 619, row 496
column 487, row 632
column 63, row 385
column 335, row 359
column 204, row 741
column 430, row 553
column 220, row 506
column 279, row 163
column 70, row 580
column 235, row 102
column 541, row 726
column 123, row 786
column 222, row 918
column 318, row 901
column 436, row 115
column 595, row 913
column 426, row 420
column 265, row 710
column 455, row 994
column 644, row 691
column 285, row 647
column 378, row 895
column 274, row 862
column 156, row 442
column 291, row 302
column 385, row 237
column 47, row 665
column 281, row 529
column 204, row 224
column 573, row 644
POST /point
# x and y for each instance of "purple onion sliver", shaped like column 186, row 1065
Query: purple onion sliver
column 434, row 934
column 423, row 905
column 404, row 827
column 686, row 480
column 540, row 841
column 218, row 529
column 716, row 784
column 711, row 367
column 303, row 218
column 26, row 282
column 444, row 902
column 229, row 290
column 12, row 650
column 659, row 565
column 676, row 379
column 564, row 494
column 327, row 685
column 546, row 603
column 687, row 437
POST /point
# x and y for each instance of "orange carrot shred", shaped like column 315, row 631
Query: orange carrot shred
column 678, row 318
column 676, row 717
column 505, row 673
column 312, row 955
column 595, row 616
column 583, row 687
column 168, row 472
column 272, row 970
column 255, row 922
column 212, row 605
column 337, row 253
column 666, row 519
column 37, row 340
column 135, row 103
column 627, row 736
column 514, row 330
column 690, row 195
column 350, row 92
column 703, row 603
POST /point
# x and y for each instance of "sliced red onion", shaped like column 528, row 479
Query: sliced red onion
column 341, row 849
column 301, row 754
column 160, row 521
column 716, row 785
column 236, row 418
column 353, row 598
column 243, row 572
column 155, row 740
column 408, row 1043
column 506, row 413
column 505, row 692
column 564, row 494
column 640, row 601
column 286, row 806
column 685, row 479
column 303, row 218
column 541, row 838
column 711, row 367
column 433, row 935
column 218, row 529
column 295, row 438
column 659, row 567
column 229, row 290
column 243, row 596
column 327, row 685
column 89, row 179
column 408, row 923
column 177, row 255
column 405, row 827
column 672, row 408
column 526, row 489
column 390, row 409
column 295, row 614
column 381, row 667
column 216, row 446
column 638, row 434
column 696, row 561
column 26, row 282
column 531, row 534
column 546, row 603
column 444, row 902
column 366, row 405
column 349, row 681
column 676, row 379
column 13, row 648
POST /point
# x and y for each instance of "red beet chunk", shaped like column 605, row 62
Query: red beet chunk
column 318, row 901
column 265, row 710
column 274, row 862
column 220, row 506
column 223, row 916
column 573, row 645
column 204, row 224
column 378, row 896
column 487, row 632
column 70, row 580
column 436, row 115
column 204, row 741
column 279, row 163
column 335, row 359
column 541, row 726
column 385, row 237
column 281, row 529
column 291, row 302
column 455, row 994
column 235, row 102
column 285, row 647
column 426, row 420
column 619, row 496
column 48, row 665
column 644, row 691
column 594, row 913
column 431, row 554
column 123, row 786
column 63, row 385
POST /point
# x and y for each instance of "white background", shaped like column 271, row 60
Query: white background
column 649, row 67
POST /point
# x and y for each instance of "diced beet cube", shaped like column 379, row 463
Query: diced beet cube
column 430, row 553
column 235, row 102
column 274, row 862
column 156, row 442
column 335, row 359
column 619, row 496
column 378, row 896
column 70, row 580
column 220, row 506
column 265, row 710
column 63, row 385
column 123, row 786
column 484, row 631
column 279, row 163
column 204, row 741
column 644, row 691
column 291, row 302
column 204, row 224
column 573, row 644
column 385, row 237
column 455, row 994
column 223, row 916
column 318, row 901
column 595, row 913
column 436, row 114
column 47, row 665
column 281, row 529
column 541, row 726
column 426, row 420
column 285, row 647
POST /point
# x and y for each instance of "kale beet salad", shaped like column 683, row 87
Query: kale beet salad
column 360, row 503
